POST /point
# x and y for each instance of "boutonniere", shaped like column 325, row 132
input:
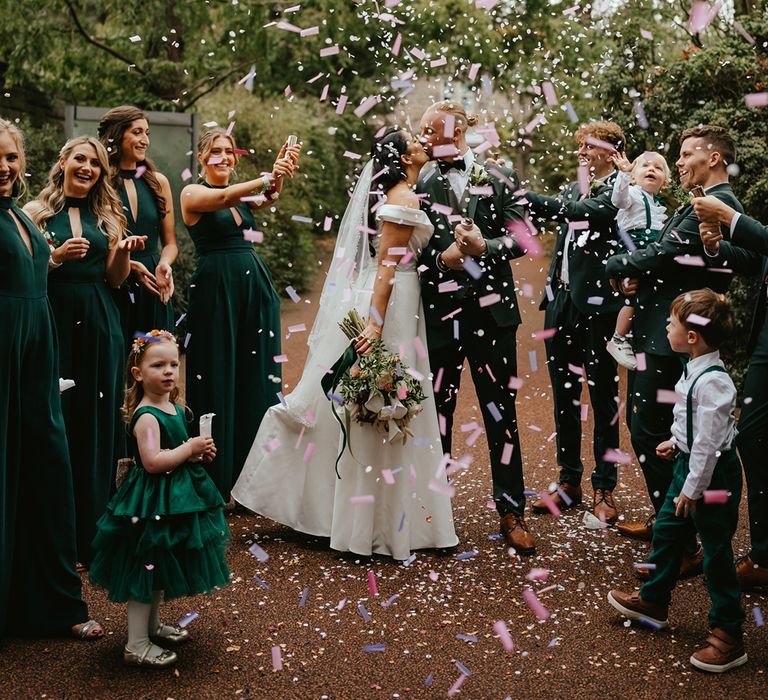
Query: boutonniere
column 681, row 196
column 51, row 240
column 594, row 187
column 479, row 177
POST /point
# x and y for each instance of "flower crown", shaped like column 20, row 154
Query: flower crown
column 141, row 340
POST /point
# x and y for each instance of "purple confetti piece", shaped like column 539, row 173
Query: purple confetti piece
column 532, row 360
column 262, row 583
column 291, row 292
column 491, row 406
column 390, row 600
column 463, row 668
column 409, row 560
column 304, row 595
column 189, row 617
column 758, row 615
column 466, row 637
column 463, row 556
column 258, row 552
column 644, row 565
column 373, row 647
column 429, row 680
column 363, row 612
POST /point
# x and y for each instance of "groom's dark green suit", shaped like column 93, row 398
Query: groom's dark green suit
column 465, row 319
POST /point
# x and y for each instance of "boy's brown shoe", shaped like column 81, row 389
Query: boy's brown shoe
column 638, row 531
column 751, row 576
column 574, row 495
column 722, row 653
column 604, row 507
column 631, row 605
column 692, row 565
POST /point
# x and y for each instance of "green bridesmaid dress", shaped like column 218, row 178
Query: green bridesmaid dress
column 39, row 589
column 140, row 310
column 91, row 353
column 162, row 531
column 234, row 335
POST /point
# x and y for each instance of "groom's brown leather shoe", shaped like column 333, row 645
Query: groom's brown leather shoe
column 752, row 577
column 638, row 531
column 516, row 534
column 604, row 507
column 572, row 491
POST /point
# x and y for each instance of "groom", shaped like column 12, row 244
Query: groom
column 469, row 299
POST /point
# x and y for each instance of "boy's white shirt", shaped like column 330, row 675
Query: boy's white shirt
column 629, row 201
column 714, row 401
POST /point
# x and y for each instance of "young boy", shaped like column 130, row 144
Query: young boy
column 705, row 467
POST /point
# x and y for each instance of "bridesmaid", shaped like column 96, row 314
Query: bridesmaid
column 81, row 216
column 39, row 589
column 234, row 311
column 148, row 205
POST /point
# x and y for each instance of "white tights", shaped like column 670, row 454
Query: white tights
column 143, row 620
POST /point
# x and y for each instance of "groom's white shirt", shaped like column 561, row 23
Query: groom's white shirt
column 458, row 179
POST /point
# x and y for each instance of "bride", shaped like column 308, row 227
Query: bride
column 289, row 474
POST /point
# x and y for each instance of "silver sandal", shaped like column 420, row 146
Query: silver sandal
column 171, row 634
column 165, row 659
column 82, row 633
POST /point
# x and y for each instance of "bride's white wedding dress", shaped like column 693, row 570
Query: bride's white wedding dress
column 289, row 474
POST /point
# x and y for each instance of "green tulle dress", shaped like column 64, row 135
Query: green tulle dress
column 234, row 335
column 140, row 310
column 162, row 531
column 91, row 353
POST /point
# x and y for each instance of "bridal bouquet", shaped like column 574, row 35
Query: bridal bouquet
column 376, row 388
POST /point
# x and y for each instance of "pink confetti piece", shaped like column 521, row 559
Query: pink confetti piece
column 640, row 357
column 716, row 496
column 756, row 99
column 550, row 504
column 489, row 299
column 701, row 16
column 272, row 445
column 607, row 145
column 341, row 104
column 544, row 334
column 372, row 589
column 324, row 93
column 473, row 69
column 617, row 456
column 388, row 476
column 280, row 359
column 438, row 380
column 515, row 383
column 149, row 567
column 362, row 500
column 537, row 574
column 291, row 292
column 739, row 27
column 668, row 396
column 418, row 376
column 456, row 685
column 584, row 412
column 416, row 51
column 698, row 320
column 445, row 151
column 582, row 175
column 486, row 4
column 277, row 659
column 309, row 452
column 253, row 236
column 445, row 287
column 438, row 62
column 576, row 369
column 433, row 576
column 500, row 628
column 297, row 328
column 646, row 34
column 535, row 604
column 287, row 91
column 397, row 44
column 418, row 346
column 351, row 155
column 531, row 125
column 309, row 31
column 549, row 93
column 329, row 51
column 442, row 487
column 186, row 174
column 366, row 105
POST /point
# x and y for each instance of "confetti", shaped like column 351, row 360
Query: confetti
column 534, row 604
column 758, row 615
column 303, row 599
column 373, row 647
column 716, row 496
column 277, row 659
column 372, row 589
column 189, row 617
column 258, row 552
column 463, row 556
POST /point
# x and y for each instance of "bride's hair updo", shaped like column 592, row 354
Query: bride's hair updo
column 388, row 169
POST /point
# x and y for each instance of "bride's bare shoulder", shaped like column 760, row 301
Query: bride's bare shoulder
column 403, row 196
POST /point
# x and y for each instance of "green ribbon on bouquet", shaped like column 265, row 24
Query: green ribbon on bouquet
column 329, row 383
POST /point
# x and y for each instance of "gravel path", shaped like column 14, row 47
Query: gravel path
column 433, row 620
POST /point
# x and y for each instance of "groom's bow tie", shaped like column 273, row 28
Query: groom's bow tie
column 447, row 165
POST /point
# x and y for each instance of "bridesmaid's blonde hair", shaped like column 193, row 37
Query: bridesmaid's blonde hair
column 20, row 186
column 102, row 198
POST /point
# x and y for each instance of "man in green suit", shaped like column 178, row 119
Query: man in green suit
column 745, row 249
column 674, row 264
column 581, row 306
column 469, row 299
